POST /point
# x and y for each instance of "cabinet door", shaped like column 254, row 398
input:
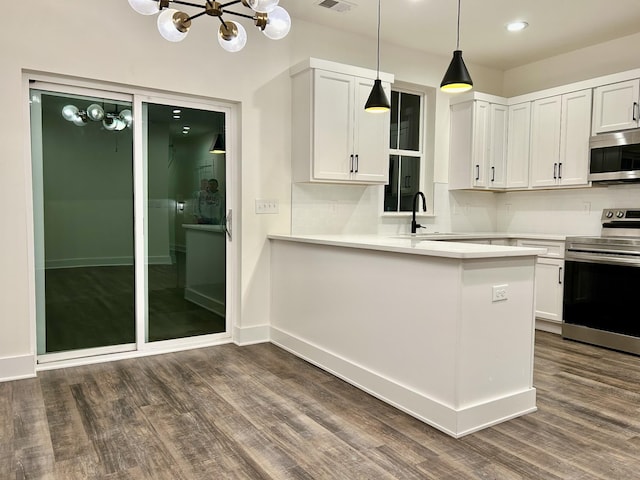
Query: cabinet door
column 497, row 174
column 518, row 145
column 549, row 272
column 462, row 172
column 480, row 149
column 371, row 139
column 545, row 141
column 615, row 106
column 333, row 125
column 575, row 131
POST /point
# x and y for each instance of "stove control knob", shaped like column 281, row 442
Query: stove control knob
column 609, row 214
column 620, row 214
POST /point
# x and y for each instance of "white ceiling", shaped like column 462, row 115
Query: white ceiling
column 555, row 26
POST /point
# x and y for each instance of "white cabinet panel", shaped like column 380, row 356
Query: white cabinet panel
column 545, row 141
column 574, row 138
column 549, row 288
column 477, row 147
column 519, row 134
column 333, row 125
column 560, row 129
column 549, row 278
column 615, row 106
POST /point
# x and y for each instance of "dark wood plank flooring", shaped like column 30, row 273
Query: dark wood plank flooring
column 257, row 412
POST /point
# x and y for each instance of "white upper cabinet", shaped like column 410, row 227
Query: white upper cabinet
column 615, row 106
column 498, row 124
column 560, row 130
column 518, row 143
column 477, row 150
column 333, row 139
column 575, row 131
column 545, row 141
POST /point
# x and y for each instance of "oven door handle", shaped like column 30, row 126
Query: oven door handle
column 590, row 257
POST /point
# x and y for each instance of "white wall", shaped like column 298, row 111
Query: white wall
column 590, row 62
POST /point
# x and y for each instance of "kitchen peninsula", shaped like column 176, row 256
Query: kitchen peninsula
column 442, row 330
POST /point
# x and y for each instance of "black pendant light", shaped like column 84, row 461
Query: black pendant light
column 377, row 101
column 457, row 78
column 217, row 146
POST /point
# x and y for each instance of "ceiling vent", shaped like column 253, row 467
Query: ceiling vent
column 339, row 6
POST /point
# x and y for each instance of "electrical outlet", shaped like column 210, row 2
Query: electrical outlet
column 266, row 206
column 499, row 293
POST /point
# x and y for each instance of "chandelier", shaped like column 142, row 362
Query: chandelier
column 112, row 121
column 271, row 19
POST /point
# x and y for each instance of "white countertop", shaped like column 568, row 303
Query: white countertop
column 418, row 245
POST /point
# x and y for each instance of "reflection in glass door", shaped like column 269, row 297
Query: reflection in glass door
column 82, row 148
column 185, row 230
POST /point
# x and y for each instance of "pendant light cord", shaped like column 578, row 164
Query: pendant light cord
column 378, row 59
column 458, row 30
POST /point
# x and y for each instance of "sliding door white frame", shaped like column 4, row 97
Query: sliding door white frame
column 137, row 96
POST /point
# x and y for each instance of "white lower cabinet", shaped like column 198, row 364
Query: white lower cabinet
column 549, row 290
column 549, row 283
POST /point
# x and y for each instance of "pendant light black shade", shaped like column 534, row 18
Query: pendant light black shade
column 218, row 144
column 377, row 101
column 457, row 78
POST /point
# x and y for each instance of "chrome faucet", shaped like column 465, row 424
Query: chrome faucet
column 414, row 225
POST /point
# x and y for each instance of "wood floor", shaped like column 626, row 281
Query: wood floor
column 257, row 412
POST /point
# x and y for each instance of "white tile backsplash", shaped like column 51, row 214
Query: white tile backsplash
column 354, row 209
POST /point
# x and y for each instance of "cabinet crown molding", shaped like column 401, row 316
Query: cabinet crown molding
column 330, row 66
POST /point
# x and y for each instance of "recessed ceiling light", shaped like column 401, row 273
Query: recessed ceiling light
column 517, row 26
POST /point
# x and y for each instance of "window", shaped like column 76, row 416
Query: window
column 406, row 160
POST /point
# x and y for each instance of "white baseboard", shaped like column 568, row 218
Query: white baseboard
column 454, row 422
column 213, row 305
column 548, row 326
column 17, row 368
column 251, row 335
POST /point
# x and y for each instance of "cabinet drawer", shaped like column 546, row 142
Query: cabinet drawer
column 555, row 249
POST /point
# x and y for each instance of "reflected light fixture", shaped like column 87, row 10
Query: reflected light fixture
column 457, row 78
column 110, row 120
column 377, row 101
column 217, row 146
column 273, row 20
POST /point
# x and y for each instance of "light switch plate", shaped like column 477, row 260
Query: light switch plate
column 266, row 206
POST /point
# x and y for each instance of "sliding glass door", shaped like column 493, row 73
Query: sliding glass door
column 130, row 221
column 186, row 211
column 83, row 198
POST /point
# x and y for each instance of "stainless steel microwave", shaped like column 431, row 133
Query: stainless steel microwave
column 615, row 157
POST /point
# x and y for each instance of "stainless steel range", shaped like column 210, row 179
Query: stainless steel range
column 602, row 284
